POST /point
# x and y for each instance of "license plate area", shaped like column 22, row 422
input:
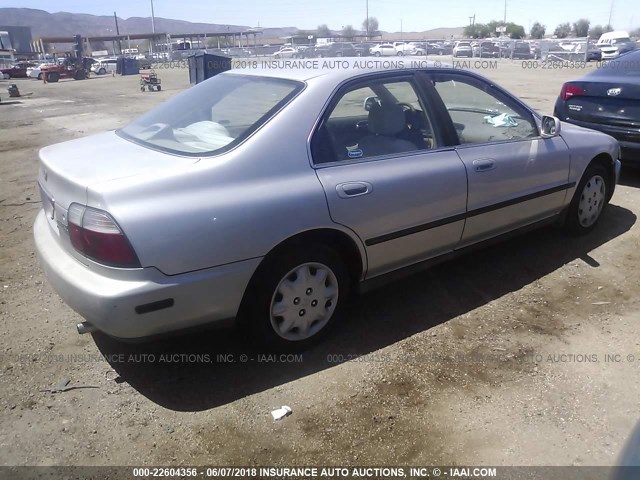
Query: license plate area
column 48, row 203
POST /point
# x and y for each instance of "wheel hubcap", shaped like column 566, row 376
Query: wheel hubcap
column 591, row 201
column 304, row 301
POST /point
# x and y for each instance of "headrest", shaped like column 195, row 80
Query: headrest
column 386, row 118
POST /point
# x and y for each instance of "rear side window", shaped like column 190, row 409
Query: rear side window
column 373, row 119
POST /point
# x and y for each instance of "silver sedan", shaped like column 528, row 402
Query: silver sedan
column 267, row 196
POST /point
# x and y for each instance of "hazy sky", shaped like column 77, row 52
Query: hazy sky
column 416, row 15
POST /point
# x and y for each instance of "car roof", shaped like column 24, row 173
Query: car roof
column 335, row 71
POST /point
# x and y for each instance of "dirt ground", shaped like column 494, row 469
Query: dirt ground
column 527, row 353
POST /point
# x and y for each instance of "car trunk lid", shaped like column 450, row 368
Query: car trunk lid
column 68, row 169
column 609, row 101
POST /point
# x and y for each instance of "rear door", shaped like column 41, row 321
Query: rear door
column 406, row 206
column 515, row 177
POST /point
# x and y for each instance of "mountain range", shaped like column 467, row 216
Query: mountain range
column 45, row 24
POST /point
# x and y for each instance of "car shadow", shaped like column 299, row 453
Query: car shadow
column 205, row 370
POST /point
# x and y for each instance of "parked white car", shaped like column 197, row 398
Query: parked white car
column 105, row 65
column 36, row 72
column 403, row 48
column 463, row 49
column 286, row 52
column 614, row 44
column 384, row 50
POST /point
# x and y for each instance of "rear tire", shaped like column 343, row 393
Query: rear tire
column 588, row 201
column 295, row 297
column 53, row 77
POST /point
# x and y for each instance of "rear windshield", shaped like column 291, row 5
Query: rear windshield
column 620, row 40
column 213, row 116
column 627, row 65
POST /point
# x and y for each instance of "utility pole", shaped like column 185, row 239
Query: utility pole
column 367, row 17
column 117, row 33
column 153, row 28
column 505, row 13
column 401, row 35
column 610, row 13
column 153, row 19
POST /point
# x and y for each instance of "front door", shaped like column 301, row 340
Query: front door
column 515, row 176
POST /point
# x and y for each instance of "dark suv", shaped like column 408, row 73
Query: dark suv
column 521, row 50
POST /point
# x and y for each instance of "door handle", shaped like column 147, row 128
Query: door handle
column 484, row 165
column 353, row 189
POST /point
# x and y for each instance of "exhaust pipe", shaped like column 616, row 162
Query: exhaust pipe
column 85, row 327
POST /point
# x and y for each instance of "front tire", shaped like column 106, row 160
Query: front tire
column 295, row 298
column 589, row 201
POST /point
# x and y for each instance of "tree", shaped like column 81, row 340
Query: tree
column 515, row 31
column 537, row 30
column 581, row 27
column 323, row 31
column 349, row 31
column 635, row 33
column 372, row 27
column 477, row 30
column 563, row 30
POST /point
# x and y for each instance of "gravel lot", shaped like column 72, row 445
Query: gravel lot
column 498, row 358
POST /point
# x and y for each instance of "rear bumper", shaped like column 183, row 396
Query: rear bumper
column 126, row 303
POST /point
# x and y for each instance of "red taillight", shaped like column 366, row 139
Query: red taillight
column 568, row 91
column 97, row 236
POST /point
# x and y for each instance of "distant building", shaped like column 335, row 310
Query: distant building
column 17, row 38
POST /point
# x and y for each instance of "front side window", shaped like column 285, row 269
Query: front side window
column 482, row 115
column 213, row 116
column 373, row 119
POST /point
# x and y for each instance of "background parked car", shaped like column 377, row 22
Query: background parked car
column 103, row 66
column 341, row 49
column 435, row 49
column 316, row 51
column 363, row 49
column 521, row 51
column 594, row 54
column 286, row 52
column 614, row 44
column 404, row 48
column 607, row 99
column 36, row 71
column 384, row 50
column 463, row 49
column 488, row 50
column 19, row 70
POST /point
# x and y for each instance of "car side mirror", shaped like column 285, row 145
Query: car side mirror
column 550, row 127
column 369, row 102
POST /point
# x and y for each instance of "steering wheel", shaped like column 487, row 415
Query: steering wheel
column 407, row 107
